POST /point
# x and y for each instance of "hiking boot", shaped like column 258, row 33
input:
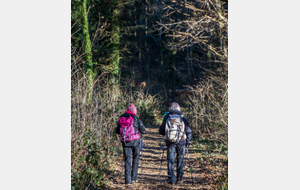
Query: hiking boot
column 179, row 181
column 134, row 181
column 171, row 183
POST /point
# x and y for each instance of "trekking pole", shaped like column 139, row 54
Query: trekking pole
column 123, row 159
column 123, row 172
column 162, row 147
column 142, row 157
column 190, row 164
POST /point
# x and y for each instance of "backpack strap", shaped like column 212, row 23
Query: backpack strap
column 137, row 131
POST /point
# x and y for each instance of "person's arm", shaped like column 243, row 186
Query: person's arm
column 118, row 129
column 141, row 127
column 162, row 126
column 188, row 130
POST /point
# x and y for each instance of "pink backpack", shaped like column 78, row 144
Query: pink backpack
column 127, row 129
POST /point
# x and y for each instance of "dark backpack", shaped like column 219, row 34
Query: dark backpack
column 127, row 129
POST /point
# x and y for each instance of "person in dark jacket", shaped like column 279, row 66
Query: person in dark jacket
column 178, row 147
column 132, row 147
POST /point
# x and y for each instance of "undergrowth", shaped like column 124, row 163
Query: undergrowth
column 95, row 146
column 212, row 160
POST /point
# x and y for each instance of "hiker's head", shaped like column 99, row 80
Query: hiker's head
column 174, row 106
column 132, row 108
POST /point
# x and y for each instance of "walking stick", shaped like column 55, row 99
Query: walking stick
column 123, row 161
column 190, row 164
column 142, row 157
column 161, row 148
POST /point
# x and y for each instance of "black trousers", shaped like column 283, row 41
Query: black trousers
column 131, row 173
column 179, row 149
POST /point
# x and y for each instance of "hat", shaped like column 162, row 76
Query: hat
column 132, row 109
column 174, row 106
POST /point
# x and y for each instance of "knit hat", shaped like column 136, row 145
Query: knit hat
column 174, row 106
column 132, row 108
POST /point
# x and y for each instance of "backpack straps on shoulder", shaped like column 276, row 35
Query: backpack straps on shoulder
column 134, row 117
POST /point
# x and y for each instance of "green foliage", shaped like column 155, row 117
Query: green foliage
column 92, row 166
column 115, row 39
column 148, row 108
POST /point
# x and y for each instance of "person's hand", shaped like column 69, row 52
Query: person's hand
column 187, row 145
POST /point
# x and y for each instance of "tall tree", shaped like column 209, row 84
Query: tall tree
column 173, row 67
column 163, row 78
column 87, row 49
column 115, row 40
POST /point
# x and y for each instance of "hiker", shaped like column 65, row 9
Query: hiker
column 170, row 102
column 176, row 140
column 130, row 127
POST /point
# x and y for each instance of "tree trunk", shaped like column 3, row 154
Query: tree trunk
column 146, row 44
column 173, row 69
column 115, row 56
column 187, row 47
column 115, row 41
column 87, row 49
column 162, row 69
column 191, row 64
column 188, row 61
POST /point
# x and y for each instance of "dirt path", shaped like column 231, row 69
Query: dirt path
column 151, row 163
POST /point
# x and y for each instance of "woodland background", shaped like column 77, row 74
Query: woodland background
column 36, row 106
column 145, row 52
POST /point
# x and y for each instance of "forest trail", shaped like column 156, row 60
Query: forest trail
column 151, row 163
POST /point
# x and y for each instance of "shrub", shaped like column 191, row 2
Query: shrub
column 209, row 108
column 94, row 143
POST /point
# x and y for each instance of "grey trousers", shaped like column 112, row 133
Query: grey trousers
column 180, row 162
column 131, row 173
